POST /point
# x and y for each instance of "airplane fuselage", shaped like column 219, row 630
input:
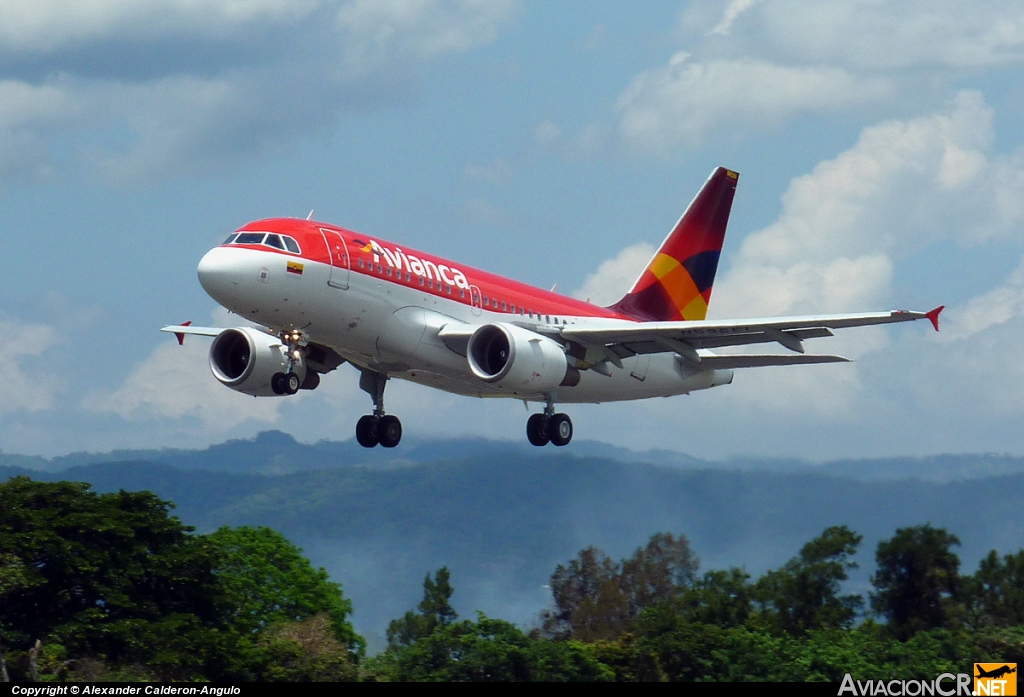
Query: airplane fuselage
column 383, row 308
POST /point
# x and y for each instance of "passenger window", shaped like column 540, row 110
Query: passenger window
column 291, row 245
column 250, row 238
column 504, row 306
column 274, row 241
column 487, row 301
column 362, row 264
column 462, row 292
column 448, row 289
column 421, row 281
column 231, row 238
column 430, row 283
column 389, row 271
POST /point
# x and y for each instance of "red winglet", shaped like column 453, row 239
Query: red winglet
column 933, row 316
column 181, row 336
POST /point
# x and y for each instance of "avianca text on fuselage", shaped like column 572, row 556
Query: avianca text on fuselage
column 424, row 268
column 322, row 296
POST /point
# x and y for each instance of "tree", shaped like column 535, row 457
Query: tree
column 96, row 572
column 435, row 611
column 995, row 593
column 265, row 580
column 804, row 594
column 658, row 571
column 917, row 580
column 596, row 598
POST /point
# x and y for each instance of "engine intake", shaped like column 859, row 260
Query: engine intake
column 246, row 359
column 518, row 360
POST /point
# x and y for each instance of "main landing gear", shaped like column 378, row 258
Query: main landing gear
column 549, row 427
column 288, row 382
column 377, row 427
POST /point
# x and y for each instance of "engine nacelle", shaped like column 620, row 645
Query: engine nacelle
column 518, row 360
column 245, row 359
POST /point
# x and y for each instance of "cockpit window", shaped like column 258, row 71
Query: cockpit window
column 270, row 239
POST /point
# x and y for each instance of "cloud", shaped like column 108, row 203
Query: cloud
column 684, row 101
column 126, row 91
column 25, row 389
column 902, row 186
column 615, row 277
column 497, row 172
column 174, row 382
column 732, row 12
column 893, row 34
column 45, row 25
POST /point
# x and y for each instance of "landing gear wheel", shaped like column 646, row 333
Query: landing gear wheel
column 366, row 431
column 560, row 429
column 389, row 431
column 291, row 383
column 277, row 383
column 537, row 430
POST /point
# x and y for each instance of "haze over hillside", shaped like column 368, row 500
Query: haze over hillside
column 501, row 515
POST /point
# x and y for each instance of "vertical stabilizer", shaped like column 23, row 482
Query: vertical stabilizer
column 676, row 285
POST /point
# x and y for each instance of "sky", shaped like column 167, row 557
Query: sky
column 880, row 146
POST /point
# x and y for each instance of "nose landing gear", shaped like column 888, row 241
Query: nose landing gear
column 288, row 382
column 378, row 427
column 549, row 427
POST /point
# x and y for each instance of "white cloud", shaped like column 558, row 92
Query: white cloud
column 377, row 29
column 35, row 26
column 175, row 382
column 140, row 119
column 889, row 34
column 903, row 185
column 25, row 389
column 497, row 172
column 615, row 277
column 732, row 12
column 998, row 306
column 682, row 102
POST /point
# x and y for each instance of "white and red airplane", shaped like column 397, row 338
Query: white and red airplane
column 324, row 295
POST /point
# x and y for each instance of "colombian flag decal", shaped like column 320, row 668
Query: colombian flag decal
column 295, row 268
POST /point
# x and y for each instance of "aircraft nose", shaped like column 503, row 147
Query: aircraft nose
column 218, row 273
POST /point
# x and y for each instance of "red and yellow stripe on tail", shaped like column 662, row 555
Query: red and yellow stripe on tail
column 677, row 283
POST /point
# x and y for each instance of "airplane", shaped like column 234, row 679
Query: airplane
column 995, row 672
column 323, row 295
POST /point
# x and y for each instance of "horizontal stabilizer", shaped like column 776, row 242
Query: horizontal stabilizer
column 763, row 361
column 198, row 331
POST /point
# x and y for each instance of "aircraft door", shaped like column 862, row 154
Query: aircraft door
column 475, row 299
column 639, row 370
column 339, row 258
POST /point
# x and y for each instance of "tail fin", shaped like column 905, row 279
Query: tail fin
column 676, row 285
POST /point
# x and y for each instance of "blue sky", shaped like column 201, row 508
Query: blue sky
column 879, row 145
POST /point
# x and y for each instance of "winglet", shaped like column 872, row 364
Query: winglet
column 933, row 316
column 181, row 336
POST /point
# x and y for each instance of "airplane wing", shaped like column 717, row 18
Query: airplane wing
column 615, row 341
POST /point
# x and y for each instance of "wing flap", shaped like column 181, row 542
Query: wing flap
column 764, row 361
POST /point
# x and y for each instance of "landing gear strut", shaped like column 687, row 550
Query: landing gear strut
column 378, row 427
column 549, row 427
column 288, row 382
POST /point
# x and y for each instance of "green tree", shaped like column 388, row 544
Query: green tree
column 657, row 572
column 102, row 574
column 264, row 580
column 804, row 594
column 917, row 582
column 435, row 611
column 995, row 593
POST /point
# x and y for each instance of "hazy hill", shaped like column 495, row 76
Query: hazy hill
column 501, row 521
column 274, row 452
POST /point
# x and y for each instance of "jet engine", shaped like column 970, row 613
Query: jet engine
column 247, row 359
column 518, row 360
